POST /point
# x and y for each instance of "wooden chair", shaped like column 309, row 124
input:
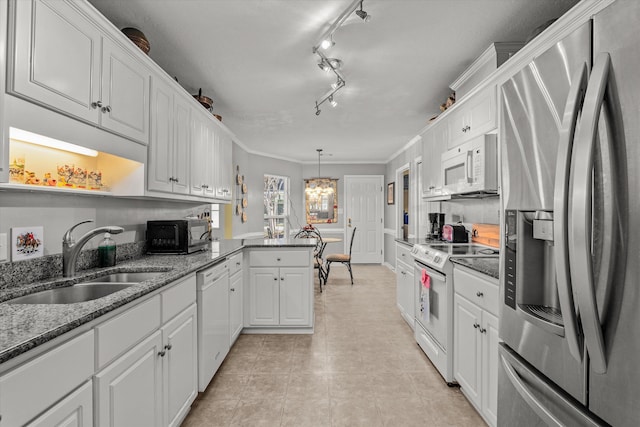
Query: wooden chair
column 343, row 258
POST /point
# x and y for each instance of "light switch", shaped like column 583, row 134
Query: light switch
column 3, row 246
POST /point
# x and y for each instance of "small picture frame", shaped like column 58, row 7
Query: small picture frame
column 391, row 193
column 27, row 243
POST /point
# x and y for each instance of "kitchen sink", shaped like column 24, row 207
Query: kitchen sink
column 80, row 292
column 131, row 277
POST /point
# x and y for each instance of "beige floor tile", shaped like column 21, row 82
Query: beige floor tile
column 351, row 386
column 354, row 412
column 225, row 386
column 210, row 413
column 274, row 363
column 313, row 362
column 265, row 386
column 261, row 412
column 238, row 364
column 299, row 413
column 311, row 387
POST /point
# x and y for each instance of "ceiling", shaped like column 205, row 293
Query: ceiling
column 254, row 59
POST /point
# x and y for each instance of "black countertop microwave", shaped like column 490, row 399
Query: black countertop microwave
column 179, row 236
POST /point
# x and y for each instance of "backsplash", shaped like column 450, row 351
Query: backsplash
column 14, row 274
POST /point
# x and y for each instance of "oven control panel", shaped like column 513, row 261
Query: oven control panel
column 429, row 256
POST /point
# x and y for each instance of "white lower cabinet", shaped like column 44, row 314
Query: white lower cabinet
column 75, row 410
column 129, row 391
column 180, row 347
column 279, row 292
column 36, row 386
column 405, row 284
column 235, row 306
column 476, row 340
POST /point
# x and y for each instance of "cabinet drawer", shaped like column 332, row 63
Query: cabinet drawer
column 38, row 384
column 178, row 297
column 477, row 287
column 403, row 253
column 127, row 329
column 279, row 258
column 235, row 263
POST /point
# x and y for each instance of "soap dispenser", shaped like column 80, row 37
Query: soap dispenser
column 107, row 251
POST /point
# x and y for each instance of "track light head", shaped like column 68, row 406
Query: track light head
column 317, row 109
column 324, row 66
column 362, row 14
column 333, row 102
column 327, row 43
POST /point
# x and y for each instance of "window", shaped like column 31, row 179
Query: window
column 276, row 206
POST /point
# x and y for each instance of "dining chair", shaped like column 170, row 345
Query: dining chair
column 343, row 258
column 318, row 262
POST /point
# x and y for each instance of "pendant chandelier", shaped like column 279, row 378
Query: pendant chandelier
column 318, row 186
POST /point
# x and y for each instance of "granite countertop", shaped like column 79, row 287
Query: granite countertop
column 25, row 326
column 410, row 241
column 488, row 266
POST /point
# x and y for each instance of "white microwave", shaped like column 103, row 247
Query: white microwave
column 471, row 168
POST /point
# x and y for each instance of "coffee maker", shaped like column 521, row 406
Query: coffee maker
column 437, row 221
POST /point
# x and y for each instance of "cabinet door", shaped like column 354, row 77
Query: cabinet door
column 235, row 306
column 467, row 345
column 128, row 391
column 475, row 117
column 160, row 168
column 57, row 57
column 181, row 150
column 427, row 175
column 199, row 135
column 125, row 93
column 75, row 410
column 180, row 370
column 409, row 303
column 490, row 364
column 264, row 297
column 210, row 160
column 295, row 297
column 225, row 165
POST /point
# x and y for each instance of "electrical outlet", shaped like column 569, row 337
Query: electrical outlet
column 3, row 247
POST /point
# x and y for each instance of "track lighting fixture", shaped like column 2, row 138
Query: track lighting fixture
column 333, row 64
column 362, row 14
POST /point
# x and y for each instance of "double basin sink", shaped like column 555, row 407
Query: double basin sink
column 89, row 290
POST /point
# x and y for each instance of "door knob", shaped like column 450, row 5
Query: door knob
column 96, row 104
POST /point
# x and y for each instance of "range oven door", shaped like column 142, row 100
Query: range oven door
column 431, row 304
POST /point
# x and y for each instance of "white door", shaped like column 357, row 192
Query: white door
column 467, row 354
column 235, row 306
column 264, row 296
column 160, row 167
column 363, row 209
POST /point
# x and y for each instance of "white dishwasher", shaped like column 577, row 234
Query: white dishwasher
column 213, row 321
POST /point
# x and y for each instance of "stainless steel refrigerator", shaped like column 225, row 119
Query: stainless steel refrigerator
column 570, row 314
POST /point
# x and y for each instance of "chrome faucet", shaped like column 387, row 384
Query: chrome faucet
column 71, row 248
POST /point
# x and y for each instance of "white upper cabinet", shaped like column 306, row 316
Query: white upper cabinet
column 170, row 141
column 475, row 116
column 434, row 142
column 56, row 57
column 223, row 166
column 125, row 93
column 62, row 60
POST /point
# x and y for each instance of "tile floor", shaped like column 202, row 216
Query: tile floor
column 361, row 367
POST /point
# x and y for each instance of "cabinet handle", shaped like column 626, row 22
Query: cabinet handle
column 238, row 263
column 483, row 330
column 275, row 278
column 96, row 104
column 162, row 353
column 168, row 347
column 232, row 289
column 479, row 294
column 106, row 109
column 282, row 279
column 476, row 326
column 278, row 259
column 176, row 180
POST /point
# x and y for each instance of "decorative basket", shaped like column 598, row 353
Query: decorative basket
column 138, row 38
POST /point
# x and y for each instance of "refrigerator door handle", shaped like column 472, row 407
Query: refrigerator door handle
column 580, row 253
column 560, row 209
column 528, row 397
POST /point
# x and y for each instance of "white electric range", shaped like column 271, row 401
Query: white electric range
column 434, row 305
